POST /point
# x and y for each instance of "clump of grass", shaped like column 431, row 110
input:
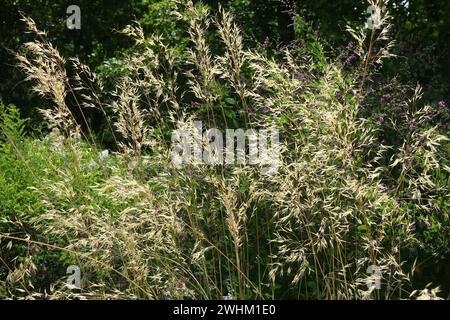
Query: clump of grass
column 140, row 227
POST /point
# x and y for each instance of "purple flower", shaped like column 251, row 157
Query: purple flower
column 441, row 104
column 386, row 97
column 351, row 58
column 350, row 45
column 266, row 42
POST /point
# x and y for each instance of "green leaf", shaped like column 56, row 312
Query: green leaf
column 230, row 101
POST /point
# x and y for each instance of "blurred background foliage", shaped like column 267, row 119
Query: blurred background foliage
column 422, row 31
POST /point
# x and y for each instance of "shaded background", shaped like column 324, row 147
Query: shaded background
column 422, row 29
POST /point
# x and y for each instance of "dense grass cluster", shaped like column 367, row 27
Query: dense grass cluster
column 352, row 191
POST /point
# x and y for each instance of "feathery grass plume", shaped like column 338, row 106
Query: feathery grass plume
column 325, row 203
column 235, row 220
column 130, row 117
column 232, row 63
column 89, row 87
column 203, row 76
column 154, row 68
column 426, row 294
column 128, row 233
column 340, row 203
column 43, row 64
column 365, row 44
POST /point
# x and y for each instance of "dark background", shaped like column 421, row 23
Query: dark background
column 422, row 30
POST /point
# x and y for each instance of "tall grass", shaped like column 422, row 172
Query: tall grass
column 140, row 228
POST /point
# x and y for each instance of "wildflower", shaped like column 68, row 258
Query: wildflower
column 441, row 104
column 266, row 42
column 350, row 45
column 351, row 58
column 386, row 97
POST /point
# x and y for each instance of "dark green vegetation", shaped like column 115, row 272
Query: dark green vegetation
column 363, row 122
